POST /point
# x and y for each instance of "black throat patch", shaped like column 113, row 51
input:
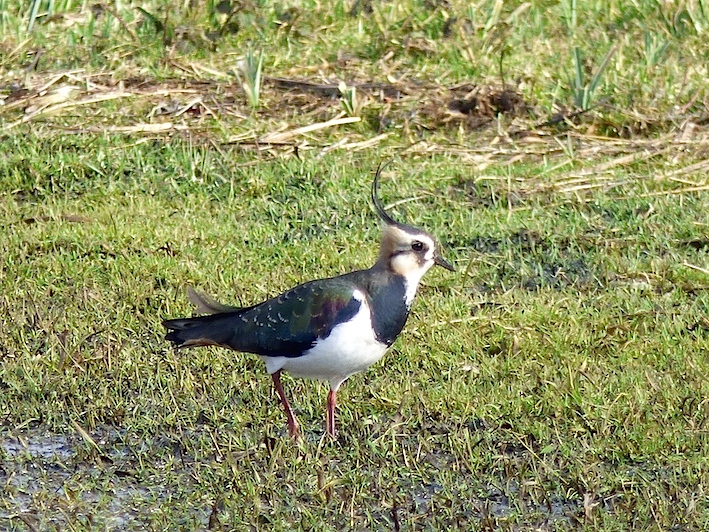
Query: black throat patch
column 389, row 311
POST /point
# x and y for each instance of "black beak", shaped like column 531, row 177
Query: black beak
column 440, row 261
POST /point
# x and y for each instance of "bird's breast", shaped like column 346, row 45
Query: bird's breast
column 390, row 309
column 351, row 347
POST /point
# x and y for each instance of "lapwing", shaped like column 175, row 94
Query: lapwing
column 327, row 329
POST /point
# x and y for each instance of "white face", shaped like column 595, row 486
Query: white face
column 413, row 255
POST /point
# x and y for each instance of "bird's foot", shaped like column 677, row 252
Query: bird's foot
column 294, row 429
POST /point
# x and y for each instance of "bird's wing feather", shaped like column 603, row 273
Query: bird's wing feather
column 292, row 322
column 206, row 304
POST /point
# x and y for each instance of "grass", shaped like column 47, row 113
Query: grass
column 556, row 381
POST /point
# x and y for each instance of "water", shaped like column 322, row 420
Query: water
column 56, row 481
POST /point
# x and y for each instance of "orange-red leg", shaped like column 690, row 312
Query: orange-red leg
column 293, row 425
column 330, row 419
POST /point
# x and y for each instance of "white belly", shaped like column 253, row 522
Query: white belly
column 350, row 348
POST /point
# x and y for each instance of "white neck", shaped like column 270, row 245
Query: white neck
column 411, row 281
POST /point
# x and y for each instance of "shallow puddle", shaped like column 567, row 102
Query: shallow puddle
column 54, row 482
column 110, row 480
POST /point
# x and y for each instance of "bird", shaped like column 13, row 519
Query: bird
column 327, row 329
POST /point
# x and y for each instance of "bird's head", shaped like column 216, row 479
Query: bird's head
column 405, row 250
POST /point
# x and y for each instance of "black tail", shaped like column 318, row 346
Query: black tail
column 216, row 329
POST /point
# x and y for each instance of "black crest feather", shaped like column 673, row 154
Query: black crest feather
column 381, row 211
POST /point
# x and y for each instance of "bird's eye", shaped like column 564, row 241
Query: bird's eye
column 417, row 246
